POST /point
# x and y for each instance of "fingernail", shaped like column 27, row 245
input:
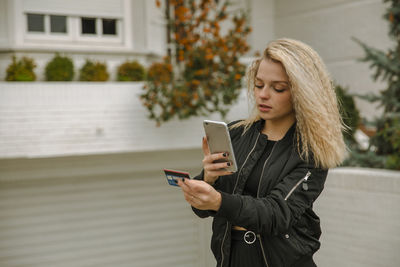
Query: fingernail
column 229, row 164
column 225, row 154
column 183, row 179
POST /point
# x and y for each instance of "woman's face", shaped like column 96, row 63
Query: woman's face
column 272, row 93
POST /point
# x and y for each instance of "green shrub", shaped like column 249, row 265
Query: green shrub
column 21, row 70
column 60, row 69
column 349, row 112
column 131, row 71
column 94, row 72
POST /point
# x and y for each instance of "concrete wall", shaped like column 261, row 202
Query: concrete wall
column 360, row 218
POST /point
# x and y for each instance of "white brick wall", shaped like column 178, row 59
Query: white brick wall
column 53, row 119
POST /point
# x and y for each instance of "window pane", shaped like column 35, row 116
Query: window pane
column 35, row 23
column 88, row 26
column 109, row 26
column 58, row 24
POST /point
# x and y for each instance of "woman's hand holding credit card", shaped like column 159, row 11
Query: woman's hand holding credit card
column 173, row 176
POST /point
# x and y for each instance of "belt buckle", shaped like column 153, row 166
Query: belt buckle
column 249, row 237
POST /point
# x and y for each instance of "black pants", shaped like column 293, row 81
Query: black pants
column 243, row 254
column 250, row 255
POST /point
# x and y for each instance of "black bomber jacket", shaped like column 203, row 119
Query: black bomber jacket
column 281, row 216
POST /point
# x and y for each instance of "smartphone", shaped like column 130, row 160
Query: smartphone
column 173, row 175
column 219, row 141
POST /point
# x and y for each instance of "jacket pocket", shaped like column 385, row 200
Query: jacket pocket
column 290, row 248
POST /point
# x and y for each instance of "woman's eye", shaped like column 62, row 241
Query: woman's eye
column 280, row 90
column 259, row 86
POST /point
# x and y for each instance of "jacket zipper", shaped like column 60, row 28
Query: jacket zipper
column 305, row 178
column 258, row 192
column 262, row 250
column 262, row 172
column 237, row 180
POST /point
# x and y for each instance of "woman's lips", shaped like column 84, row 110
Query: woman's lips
column 264, row 108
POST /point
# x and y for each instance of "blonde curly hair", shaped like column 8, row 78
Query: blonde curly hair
column 319, row 124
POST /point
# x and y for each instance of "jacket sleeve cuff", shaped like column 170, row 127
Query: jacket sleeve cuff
column 230, row 206
column 200, row 176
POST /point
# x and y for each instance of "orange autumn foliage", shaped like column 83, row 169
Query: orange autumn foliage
column 203, row 73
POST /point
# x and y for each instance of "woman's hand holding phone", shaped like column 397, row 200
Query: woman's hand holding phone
column 213, row 169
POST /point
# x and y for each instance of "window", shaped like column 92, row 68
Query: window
column 88, row 26
column 35, row 23
column 58, row 24
column 72, row 29
column 109, row 27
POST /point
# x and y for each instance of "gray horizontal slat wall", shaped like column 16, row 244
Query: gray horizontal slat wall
column 124, row 218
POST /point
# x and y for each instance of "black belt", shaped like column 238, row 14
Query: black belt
column 247, row 236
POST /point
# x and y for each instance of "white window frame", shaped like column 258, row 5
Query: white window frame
column 74, row 28
column 99, row 37
column 66, row 22
column 47, row 35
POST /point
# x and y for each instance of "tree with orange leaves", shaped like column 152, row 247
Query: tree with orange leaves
column 206, row 74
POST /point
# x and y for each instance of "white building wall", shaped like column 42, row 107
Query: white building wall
column 140, row 27
column 328, row 26
column 4, row 23
column 104, row 8
column 262, row 19
column 155, row 29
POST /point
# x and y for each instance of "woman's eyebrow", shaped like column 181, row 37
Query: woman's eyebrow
column 258, row 79
column 285, row 82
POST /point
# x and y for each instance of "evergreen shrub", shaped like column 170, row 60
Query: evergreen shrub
column 93, row 72
column 21, row 70
column 60, row 69
column 385, row 144
column 131, row 71
column 349, row 112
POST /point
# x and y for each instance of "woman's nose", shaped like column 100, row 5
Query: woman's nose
column 265, row 92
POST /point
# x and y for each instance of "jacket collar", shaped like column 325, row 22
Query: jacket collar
column 259, row 125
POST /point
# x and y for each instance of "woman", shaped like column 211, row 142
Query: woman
column 263, row 213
